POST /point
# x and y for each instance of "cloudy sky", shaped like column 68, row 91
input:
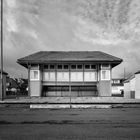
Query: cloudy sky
column 112, row 26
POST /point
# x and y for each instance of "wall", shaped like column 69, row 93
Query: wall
column 35, row 88
column 104, row 88
column 137, row 86
column 104, row 85
column 117, row 89
column 127, row 90
column 132, row 84
column 35, row 84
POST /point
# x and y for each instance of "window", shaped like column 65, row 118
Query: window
column 79, row 66
column 105, row 65
column 46, row 66
column 63, row 76
column 51, row 66
column 34, row 75
column 93, row 66
column 34, row 65
column 116, row 81
column 90, row 76
column 59, row 66
column 66, row 67
column 73, row 66
column 87, row 66
column 76, row 76
column 105, row 74
column 48, row 76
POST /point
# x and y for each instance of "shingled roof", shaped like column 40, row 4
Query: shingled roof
column 69, row 56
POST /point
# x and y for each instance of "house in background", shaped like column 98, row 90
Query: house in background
column 132, row 86
column 64, row 74
column 4, row 84
column 17, row 86
column 11, row 86
column 117, row 87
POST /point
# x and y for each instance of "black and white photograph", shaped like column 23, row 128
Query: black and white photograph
column 70, row 70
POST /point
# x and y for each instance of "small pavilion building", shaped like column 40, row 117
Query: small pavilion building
column 65, row 74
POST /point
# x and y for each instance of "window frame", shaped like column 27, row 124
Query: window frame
column 58, row 66
column 108, row 78
column 105, row 67
column 73, row 65
column 34, row 79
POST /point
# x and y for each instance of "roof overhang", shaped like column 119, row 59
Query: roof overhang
column 27, row 63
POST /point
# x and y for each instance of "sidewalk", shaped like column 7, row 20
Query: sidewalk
column 73, row 100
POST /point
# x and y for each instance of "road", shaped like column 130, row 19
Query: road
column 22, row 123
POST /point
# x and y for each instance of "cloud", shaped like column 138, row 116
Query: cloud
column 11, row 23
column 107, row 22
column 95, row 34
column 11, row 3
column 11, row 16
column 97, row 25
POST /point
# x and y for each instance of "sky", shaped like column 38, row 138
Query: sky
column 111, row 26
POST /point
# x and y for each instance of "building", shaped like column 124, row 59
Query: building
column 132, row 86
column 75, row 74
column 4, row 85
column 11, row 86
column 117, row 87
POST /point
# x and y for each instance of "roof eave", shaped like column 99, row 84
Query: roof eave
column 26, row 62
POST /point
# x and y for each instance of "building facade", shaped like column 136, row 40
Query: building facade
column 132, row 86
column 64, row 74
column 117, row 87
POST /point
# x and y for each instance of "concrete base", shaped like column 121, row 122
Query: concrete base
column 69, row 106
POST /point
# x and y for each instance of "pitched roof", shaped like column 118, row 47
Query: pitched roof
column 129, row 79
column 68, row 56
column 138, row 72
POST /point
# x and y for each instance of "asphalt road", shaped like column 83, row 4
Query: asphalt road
column 18, row 123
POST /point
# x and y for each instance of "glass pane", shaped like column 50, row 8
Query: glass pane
column 73, row 66
column 52, row 76
column 76, row 76
column 51, row 66
column 34, row 75
column 79, row 67
column 66, row 67
column 34, row 65
column 105, row 65
column 90, row 76
column 59, row 66
column 45, row 76
column 93, row 66
column 62, row 76
column 87, row 66
column 46, row 66
column 105, row 75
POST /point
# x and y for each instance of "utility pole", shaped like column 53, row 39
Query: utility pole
column 1, row 49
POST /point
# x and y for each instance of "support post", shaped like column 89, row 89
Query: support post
column 70, row 84
column 29, row 93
